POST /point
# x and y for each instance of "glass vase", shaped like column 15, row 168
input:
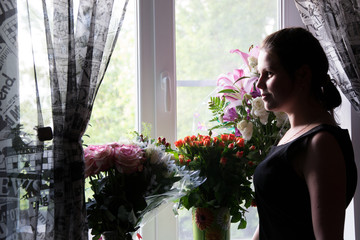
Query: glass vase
column 211, row 223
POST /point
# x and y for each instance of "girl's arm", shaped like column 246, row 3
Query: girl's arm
column 325, row 175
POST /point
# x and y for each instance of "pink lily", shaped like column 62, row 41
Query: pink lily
column 253, row 52
column 229, row 81
column 240, row 87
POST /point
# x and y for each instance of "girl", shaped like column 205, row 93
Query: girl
column 308, row 179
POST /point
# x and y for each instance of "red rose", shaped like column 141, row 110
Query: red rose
column 240, row 154
column 223, row 160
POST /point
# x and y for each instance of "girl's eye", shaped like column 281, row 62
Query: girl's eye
column 269, row 74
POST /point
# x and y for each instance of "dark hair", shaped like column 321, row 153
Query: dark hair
column 296, row 47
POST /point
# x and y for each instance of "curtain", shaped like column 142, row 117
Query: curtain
column 336, row 24
column 41, row 159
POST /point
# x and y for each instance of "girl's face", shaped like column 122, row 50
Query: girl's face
column 276, row 87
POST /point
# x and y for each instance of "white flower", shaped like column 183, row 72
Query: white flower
column 246, row 129
column 253, row 62
column 258, row 110
column 154, row 153
column 258, row 104
column 264, row 117
column 281, row 117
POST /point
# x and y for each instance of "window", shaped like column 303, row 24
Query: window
column 200, row 37
column 143, row 84
column 114, row 112
column 157, row 24
column 204, row 38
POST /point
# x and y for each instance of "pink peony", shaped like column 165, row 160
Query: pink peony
column 98, row 158
column 129, row 158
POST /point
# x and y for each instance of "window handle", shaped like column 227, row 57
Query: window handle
column 166, row 88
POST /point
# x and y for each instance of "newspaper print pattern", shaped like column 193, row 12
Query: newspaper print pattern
column 50, row 180
column 76, row 61
column 336, row 24
column 9, row 118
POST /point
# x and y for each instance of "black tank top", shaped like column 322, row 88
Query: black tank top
column 282, row 196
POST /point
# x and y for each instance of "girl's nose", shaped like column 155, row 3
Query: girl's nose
column 260, row 82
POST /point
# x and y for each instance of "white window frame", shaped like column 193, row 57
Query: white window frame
column 157, row 96
column 157, row 90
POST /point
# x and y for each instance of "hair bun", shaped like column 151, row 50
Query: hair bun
column 331, row 97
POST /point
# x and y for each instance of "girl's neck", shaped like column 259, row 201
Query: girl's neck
column 305, row 115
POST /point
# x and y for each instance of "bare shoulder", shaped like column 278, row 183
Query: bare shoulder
column 323, row 139
column 324, row 154
column 325, row 174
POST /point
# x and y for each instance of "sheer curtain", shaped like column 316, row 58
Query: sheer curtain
column 336, row 24
column 41, row 171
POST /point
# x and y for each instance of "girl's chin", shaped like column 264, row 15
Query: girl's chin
column 271, row 107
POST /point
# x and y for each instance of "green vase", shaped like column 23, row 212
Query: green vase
column 211, row 223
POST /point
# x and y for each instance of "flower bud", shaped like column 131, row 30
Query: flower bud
column 240, row 154
column 223, row 160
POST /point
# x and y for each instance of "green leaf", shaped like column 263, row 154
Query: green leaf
column 242, row 224
column 236, row 217
column 228, row 91
column 240, row 79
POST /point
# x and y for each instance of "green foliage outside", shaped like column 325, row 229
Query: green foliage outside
column 206, row 31
column 114, row 111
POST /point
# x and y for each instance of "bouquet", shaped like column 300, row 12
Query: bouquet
column 225, row 162
column 129, row 180
column 239, row 108
column 245, row 132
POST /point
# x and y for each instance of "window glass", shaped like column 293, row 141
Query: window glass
column 206, row 31
column 114, row 110
column 204, row 38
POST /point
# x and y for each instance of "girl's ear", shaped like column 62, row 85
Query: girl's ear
column 303, row 76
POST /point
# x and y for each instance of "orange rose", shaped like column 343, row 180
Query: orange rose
column 231, row 137
column 193, row 138
column 205, row 137
column 181, row 158
column 224, row 137
column 240, row 154
column 206, row 142
column 179, row 143
column 240, row 142
column 223, row 160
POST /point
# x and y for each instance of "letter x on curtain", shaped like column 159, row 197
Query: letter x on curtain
column 336, row 24
column 53, row 57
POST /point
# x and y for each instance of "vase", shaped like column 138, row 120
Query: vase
column 211, row 223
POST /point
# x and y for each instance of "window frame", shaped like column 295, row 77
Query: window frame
column 157, row 95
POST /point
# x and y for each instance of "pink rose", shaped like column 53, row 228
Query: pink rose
column 98, row 158
column 129, row 158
